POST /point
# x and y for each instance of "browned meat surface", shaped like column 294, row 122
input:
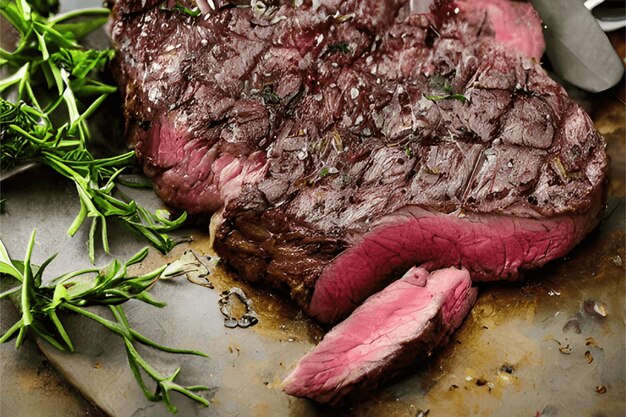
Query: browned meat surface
column 344, row 142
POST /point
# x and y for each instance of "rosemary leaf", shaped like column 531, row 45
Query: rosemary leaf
column 42, row 306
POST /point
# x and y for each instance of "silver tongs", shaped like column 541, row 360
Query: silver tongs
column 578, row 49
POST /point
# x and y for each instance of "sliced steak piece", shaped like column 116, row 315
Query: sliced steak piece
column 491, row 246
column 344, row 142
column 389, row 332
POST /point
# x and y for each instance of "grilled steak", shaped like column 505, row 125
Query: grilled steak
column 344, row 142
column 385, row 335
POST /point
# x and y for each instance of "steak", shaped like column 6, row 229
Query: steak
column 389, row 332
column 342, row 143
column 338, row 144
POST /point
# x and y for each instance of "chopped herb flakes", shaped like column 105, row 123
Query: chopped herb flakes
column 341, row 47
column 437, row 83
column 178, row 7
column 269, row 96
column 459, row 97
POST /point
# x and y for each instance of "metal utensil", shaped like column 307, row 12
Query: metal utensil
column 577, row 47
column 610, row 15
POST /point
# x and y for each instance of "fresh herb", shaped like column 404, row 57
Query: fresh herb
column 408, row 151
column 269, row 95
column 341, row 47
column 459, row 97
column 447, row 90
column 52, row 80
column 187, row 10
column 42, row 305
column 324, row 172
column 178, row 7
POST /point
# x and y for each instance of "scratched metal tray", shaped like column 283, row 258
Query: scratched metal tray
column 528, row 349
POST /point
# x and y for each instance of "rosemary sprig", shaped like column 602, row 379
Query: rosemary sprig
column 52, row 79
column 341, row 47
column 181, row 8
column 41, row 305
column 435, row 97
column 449, row 95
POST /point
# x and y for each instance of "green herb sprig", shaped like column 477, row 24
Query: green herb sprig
column 178, row 7
column 41, row 306
column 459, row 97
column 269, row 95
column 449, row 95
column 52, row 78
column 341, row 47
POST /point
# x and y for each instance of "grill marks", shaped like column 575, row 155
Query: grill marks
column 334, row 121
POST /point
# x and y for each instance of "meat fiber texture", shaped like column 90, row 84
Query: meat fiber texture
column 385, row 335
column 343, row 142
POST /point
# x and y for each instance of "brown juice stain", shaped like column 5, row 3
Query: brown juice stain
column 48, row 390
column 279, row 319
column 40, row 380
